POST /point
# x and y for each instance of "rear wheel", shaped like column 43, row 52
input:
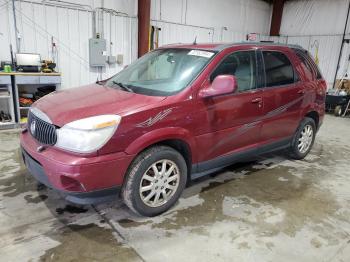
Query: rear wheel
column 155, row 181
column 338, row 111
column 303, row 139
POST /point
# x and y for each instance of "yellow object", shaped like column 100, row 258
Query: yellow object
column 316, row 44
column 24, row 120
column 316, row 56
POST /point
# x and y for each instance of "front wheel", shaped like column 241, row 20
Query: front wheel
column 303, row 139
column 155, row 181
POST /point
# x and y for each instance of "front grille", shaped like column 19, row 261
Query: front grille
column 42, row 131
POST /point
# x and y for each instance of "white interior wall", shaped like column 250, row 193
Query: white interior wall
column 317, row 23
column 177, row 33
column 314, row 17
column 181, row 21
column 71, row 29
column 206, row 19
column 125, row 6
column 305, row 22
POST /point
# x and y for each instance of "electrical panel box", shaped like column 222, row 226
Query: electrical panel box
column 97, row 52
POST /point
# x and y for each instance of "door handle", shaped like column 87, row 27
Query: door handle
column 301, row 92
column 256, row 100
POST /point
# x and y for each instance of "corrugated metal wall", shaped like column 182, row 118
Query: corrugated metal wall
column 218, row 21
column 236, row 15
column 178, row 33
column 312, row 23
column 71, row 29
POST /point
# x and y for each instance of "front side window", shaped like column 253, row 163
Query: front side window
column 242, row 65
column 278, row 69
column 162, row 72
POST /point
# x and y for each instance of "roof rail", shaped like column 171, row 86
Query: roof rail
column 260, row 43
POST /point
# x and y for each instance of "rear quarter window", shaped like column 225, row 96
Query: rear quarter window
column 309, row 65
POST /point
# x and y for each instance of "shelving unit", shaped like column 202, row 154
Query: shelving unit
column 7, row 102
column 17, row 83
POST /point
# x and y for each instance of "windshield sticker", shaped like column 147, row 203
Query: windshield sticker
column 201, row 53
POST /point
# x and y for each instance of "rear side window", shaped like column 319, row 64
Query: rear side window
column 278, row 69
column 241, row 64
column 310, row 66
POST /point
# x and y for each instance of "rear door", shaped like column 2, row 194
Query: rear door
column 229, row 123
column 283, row 96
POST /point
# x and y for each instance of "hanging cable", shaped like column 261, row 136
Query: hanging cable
column 112, row 11
column 60, row 42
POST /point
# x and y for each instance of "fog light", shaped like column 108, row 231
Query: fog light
column 70, row 184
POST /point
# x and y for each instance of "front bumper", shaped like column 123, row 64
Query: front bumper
column 96, row 178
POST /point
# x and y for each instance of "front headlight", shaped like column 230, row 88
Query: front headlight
column 87, row 135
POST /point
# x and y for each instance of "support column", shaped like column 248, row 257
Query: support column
column 277, row 11
column 144, row 18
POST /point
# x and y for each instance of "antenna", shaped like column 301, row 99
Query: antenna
column 195, row 40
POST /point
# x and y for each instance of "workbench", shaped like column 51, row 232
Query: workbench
column 17, row 82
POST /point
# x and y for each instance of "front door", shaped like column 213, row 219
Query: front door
column 231, row 122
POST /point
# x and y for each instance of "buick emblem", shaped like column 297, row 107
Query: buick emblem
column 32, row 127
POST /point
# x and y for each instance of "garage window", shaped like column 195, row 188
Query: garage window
column 278, row 69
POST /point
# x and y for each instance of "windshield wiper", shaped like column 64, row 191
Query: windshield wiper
column 125, row 87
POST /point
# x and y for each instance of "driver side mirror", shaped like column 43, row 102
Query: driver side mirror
column 222, row 85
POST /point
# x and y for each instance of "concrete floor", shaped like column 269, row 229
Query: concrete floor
column 273, row 209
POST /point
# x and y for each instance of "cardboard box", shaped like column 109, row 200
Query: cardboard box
column 343, row 85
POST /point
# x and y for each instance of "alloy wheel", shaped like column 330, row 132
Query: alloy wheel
column 305, row 139
column 159, row 183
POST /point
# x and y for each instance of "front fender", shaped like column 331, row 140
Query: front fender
column 159, row 135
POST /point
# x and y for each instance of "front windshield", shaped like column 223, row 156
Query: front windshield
column 162, row 72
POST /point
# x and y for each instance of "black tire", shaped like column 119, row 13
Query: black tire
column 295, row 152
column 338, row 111
column 141, row 164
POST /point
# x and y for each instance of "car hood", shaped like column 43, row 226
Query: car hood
column 66, row 106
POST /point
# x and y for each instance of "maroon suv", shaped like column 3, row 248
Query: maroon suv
column 176, row 114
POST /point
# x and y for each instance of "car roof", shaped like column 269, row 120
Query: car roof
column 221, row 46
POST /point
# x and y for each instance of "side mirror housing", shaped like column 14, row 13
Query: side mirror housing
column 222, row 85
